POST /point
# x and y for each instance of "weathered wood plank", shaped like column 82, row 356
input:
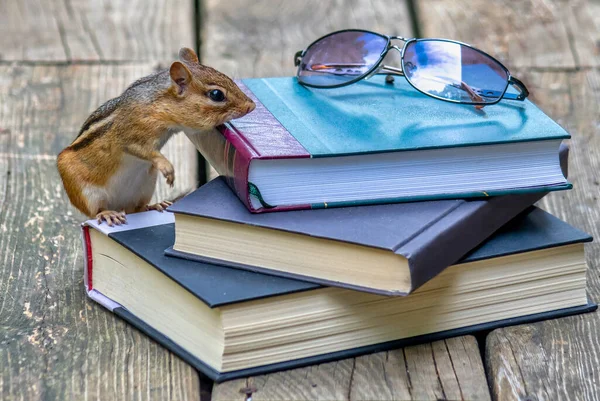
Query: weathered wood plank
column 553, row 360
column 82, row 30
column 329, row 381
column 56, row 344
column 583, row 20
column 27, row 35
column 554, row 34
column 450, row 369
column 245, row 38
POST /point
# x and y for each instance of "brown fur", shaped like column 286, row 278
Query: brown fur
column 140, row 121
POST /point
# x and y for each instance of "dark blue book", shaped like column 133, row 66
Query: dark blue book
column 389, row 249
column 230, row 323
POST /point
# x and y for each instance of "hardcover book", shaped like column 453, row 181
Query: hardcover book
column 231, row 323
column 389, row 249
column 373, row 142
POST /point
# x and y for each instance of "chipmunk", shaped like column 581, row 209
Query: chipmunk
column 111, row 168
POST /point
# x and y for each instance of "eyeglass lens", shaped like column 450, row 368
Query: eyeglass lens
column 453, row 71
column 340, row 58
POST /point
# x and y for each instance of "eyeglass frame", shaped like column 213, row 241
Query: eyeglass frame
column 510, row 80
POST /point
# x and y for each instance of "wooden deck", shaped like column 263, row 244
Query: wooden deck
column 60, row 59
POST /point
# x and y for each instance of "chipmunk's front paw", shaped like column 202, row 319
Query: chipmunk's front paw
column 111, row 217
column 166, row 169
column 159, row 206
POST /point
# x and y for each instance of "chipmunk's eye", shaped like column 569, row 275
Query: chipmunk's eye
column 216, row 95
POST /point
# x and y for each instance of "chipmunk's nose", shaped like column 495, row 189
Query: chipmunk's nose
column 250, row 107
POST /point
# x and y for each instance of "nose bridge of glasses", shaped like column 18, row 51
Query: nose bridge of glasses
column 388, row 69
column 394, row 47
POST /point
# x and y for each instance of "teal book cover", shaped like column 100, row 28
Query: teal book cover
column 292, row 122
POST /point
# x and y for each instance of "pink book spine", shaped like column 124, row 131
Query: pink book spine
column 229, row 155
column 237, row 155
column 88, row 270
column 231, row 148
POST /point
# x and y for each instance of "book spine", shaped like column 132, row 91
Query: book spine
column 134, row 221
column 88, row 268
column 87, row 257
column 229, row 155
column 231, row 147
column 452, row 237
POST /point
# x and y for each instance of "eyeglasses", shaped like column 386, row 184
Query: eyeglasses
column 441, row 68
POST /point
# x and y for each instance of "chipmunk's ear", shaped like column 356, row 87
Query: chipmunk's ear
column 181, row 76
column 188, row 55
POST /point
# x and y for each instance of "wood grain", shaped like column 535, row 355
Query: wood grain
column 55, row 343
column 450, row 369
column 583, row 20
column 246, row 38
column 103, row 30
column 553, row 360
column 544, row 34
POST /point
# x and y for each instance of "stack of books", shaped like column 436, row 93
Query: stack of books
column 347, row 221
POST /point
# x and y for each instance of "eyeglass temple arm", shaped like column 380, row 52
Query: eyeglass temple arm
column 523, row 92
column 298, row 57
column 384, row 68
